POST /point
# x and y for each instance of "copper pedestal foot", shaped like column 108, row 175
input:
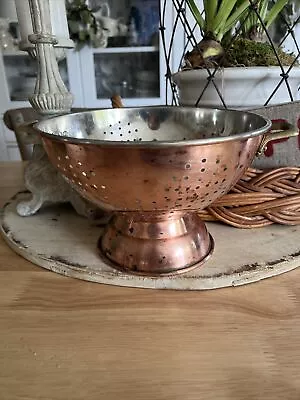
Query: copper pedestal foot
column 156, row 244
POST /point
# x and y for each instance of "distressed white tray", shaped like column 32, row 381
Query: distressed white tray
column 61, row 241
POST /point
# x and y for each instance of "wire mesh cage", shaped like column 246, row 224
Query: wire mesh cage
column 237, row 54
column 229, row 76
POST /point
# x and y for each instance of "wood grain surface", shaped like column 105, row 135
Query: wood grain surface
column 62, row 338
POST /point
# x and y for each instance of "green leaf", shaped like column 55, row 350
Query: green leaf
column 74, row 26
column 82, row 35
column 224, row 11
column 210, row 9
column 275, row 10
column 196, row 13
column 263, row 9
column 236, row 16
column 85, row 16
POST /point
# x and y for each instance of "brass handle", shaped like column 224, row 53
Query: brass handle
column 279, row 130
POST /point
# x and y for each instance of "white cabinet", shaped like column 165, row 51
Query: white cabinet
column 136, row 73
column 132, row 72
column 93, row 75
column 11, row 65
column 17, row 81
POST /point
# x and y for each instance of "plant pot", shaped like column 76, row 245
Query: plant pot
column 241, row 87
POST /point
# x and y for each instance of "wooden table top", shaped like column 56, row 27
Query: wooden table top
column 62, row 338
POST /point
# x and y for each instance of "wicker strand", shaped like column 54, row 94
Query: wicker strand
column 259, row 199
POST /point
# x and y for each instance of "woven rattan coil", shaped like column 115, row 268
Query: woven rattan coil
column 260, row 198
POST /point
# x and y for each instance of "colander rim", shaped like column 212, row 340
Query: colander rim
column 157, row 143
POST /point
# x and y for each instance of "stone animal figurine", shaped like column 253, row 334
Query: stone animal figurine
column 48, row 187
column 43, row 181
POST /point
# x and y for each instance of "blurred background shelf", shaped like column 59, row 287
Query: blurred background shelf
column 93, row 75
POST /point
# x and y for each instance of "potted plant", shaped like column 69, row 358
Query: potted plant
column 238, row 55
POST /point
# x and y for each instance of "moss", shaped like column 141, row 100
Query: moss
column 248, row 53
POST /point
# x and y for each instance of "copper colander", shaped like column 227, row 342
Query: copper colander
column 154, row 167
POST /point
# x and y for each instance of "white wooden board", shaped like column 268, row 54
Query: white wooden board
column 61, row 241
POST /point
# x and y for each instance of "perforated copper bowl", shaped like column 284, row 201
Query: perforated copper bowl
column 154, row 167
